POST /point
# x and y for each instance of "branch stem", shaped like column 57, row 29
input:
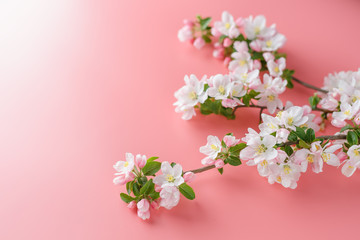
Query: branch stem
column 308, row 85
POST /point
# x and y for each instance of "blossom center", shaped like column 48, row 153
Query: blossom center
column 227, row 25
column 170, row 178
column 268, row 43
column 193, row 95
column 126, row 164
column 287, row 169
column 278, row 179
column 242, row 62
column 264, row 163
column 222, row 90
column 261, row 149
column 356, row 152
column 290, row 121
column 276, row 69
column 214, row 147
column 271, row 98
column 257, row 30
column 310, row 158
column 347, row 112
column 326, row 157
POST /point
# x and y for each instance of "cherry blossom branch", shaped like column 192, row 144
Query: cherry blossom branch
column 202, row 169
column 308, row 85
column 250, row 106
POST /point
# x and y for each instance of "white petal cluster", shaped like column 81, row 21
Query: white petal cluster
column 275, row 164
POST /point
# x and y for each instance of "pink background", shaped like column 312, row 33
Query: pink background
column 83, row 82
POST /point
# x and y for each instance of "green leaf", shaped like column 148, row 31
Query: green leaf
column 221, row 170
column 223, row 144
column 303, row 144
column 126, row 198
column 152, row 159
column 237, row 147
column 346, row 128
column 246, row 99
column 288, row 150
column 206, row 39
column 300, row 132
column 136, row 189
column 233, row 161
column 129, row 186
column 292, row 137
column 221, row 38
column 187, row 191
column 227, row 112
column 149, row 185
column 142, row 180
column 352, row 138
column 154, row 195
column 172, row 164
column 314, row 101
column 310, row 135
column 151, row 168
column 205, row 22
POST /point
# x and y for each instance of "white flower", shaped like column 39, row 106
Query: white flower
column 260, row 149
column 249, row 79
column 270, row 100
column 143, row 207
column 287, row 174
column 354, row 152
column 188, row 111
column 269, row 125
column 350, row 166
column 274, row 43
column 220, row 86
column 241, row 60
column 171, row 176
column 212, row 148
column 277, row 67
column 237, row 90
column 241, row 46
column 347, row 112
column 274, row 85
column 125, row 166
column 185, row 33
column 292, row 117
column 192, row 93
column 227, row 25
column 170, row 197
column 254, row 27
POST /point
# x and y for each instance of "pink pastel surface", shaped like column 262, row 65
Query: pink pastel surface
column 83, row 82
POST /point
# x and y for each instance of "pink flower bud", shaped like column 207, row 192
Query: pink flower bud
column 218, row 53
column 256, row 64
column 188, row 22
column 239, row 22
column 256, row 45
column 189, row 177
column 306, row 110
column 227, row 42
column 342, row 156
column 199, row 43
column 268, row 56
column 230, row 141
column 155, row 205
column 227, row 60
column 215, row 32
column 132, row 204
column 140, row 160
column 207, row 161
column 157, row 188
column 219, row 163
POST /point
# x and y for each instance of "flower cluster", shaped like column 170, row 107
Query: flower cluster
column 143, row 191
column 257, row 72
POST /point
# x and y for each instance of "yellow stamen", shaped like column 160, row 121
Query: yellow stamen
column 290, row 121
column 276, row 69
column 227, row 25
column 264, row 163
column 268, row 43
column 347, row 112
column 326, row 157
column 278, row 179
column 270, row 98
column 310, row 158
column 170, row 178
column 242, row 62
column 214, row 147
column 221, row 90
column 261, row 149
column 279, row 114
column 257, row 30
column 244, row 75
column 356, row 151
column 193, row 95
column 287, row 169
